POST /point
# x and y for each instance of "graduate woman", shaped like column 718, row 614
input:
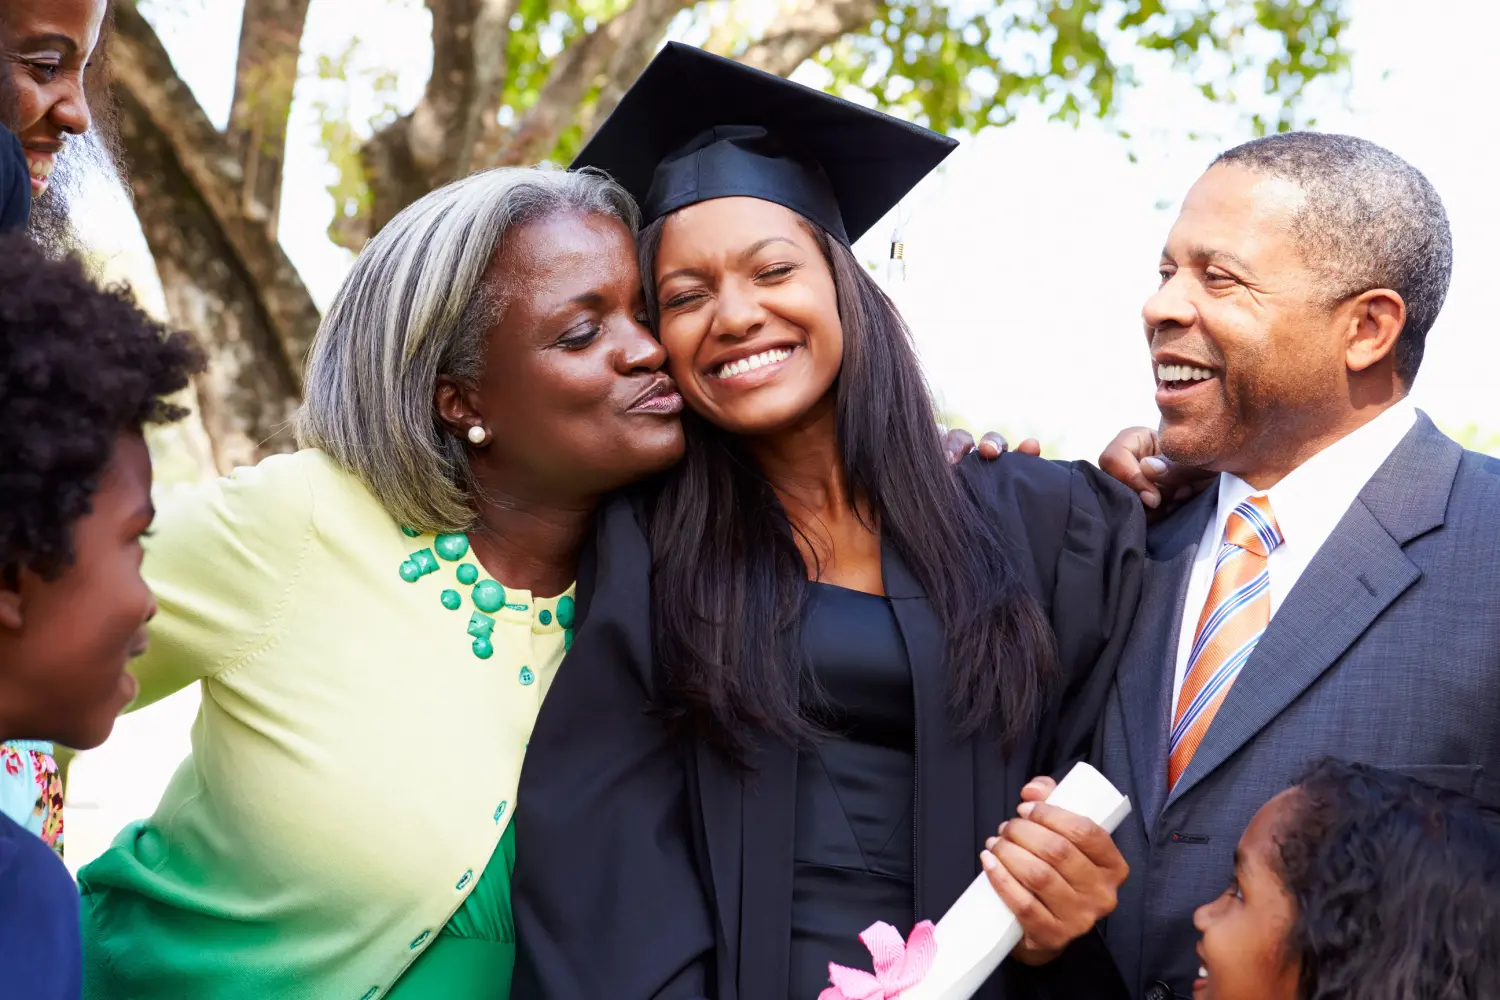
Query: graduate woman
column 848, row 657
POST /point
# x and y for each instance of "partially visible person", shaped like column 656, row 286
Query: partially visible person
column 375, row 620
column 54, row 95
column 30, row 786
column 15, row 184
column 1358, row 884
column 1334, row 591
column 82, row 372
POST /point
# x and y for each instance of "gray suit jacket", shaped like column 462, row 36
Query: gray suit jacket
column 1386, row 651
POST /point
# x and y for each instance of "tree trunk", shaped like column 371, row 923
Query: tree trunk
column 226, row 279
column 264, row 80
column 249, row 394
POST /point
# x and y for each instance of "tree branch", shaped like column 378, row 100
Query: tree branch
column 189, row 187
column 265, row 79
column 458, row 113
column 620, row 48
column 804, row 29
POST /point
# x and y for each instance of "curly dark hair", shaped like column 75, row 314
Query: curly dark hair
column 79, row 366
column 1397, row 884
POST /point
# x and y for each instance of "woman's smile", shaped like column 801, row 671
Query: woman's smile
column 751, row 366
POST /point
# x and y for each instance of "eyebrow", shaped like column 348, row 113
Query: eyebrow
column 743, row 256
column 63, row 42
column 1213, row 254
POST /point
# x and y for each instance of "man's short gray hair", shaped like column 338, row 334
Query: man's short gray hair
column 1370, row 220
column 415, row 307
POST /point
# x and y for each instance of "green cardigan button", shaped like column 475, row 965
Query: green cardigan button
column 489, row 596
column 565, row 610
column 451, row 547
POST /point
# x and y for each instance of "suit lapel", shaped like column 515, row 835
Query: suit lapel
column 1146, row 672
column 1354, row 577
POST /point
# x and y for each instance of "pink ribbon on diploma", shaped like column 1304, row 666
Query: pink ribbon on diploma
column 899, row 965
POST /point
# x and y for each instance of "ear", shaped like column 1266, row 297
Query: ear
column 11, row 615
column 457, row 405
column 1376, row 320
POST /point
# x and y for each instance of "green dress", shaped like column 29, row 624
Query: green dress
column 474, row 956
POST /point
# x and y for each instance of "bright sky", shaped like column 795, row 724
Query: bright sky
column 1029, row 255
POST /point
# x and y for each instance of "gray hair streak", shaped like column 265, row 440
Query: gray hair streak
column 1369, row 220
column 414, row 307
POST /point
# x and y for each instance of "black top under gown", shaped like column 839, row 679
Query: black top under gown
column 854, row 843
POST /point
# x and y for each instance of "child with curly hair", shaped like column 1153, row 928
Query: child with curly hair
column 82, row 372
column 1358, row 884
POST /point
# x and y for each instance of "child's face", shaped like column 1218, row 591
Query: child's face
column 64, row 643
column 1243, row 950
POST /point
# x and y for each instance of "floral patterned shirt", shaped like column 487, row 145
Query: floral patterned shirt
column 31, row 790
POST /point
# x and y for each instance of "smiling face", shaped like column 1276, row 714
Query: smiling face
column 64, row 643
column 749, row 315
column 1244, row 950
column 1248, row 354
column 573, row 392
column 46, row 46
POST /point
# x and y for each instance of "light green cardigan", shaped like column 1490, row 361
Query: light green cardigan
column 354, row 761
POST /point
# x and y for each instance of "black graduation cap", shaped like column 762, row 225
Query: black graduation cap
column 696, row 126
column 15, row 184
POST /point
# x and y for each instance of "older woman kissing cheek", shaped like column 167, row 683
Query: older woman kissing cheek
column 375, row 619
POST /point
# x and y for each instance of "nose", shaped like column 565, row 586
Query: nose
column 739, row 313
column 641, row 352
column 1203, row 916
column 70, row 112
column 1169, row 306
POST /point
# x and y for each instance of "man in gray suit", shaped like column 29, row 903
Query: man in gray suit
column 1337, row 591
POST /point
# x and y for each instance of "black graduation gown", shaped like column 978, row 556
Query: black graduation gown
column 650, row 867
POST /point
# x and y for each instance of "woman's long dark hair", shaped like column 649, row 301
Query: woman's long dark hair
column 1397, row 886
column 729, row 582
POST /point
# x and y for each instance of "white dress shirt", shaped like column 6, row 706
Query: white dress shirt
column 1308, row 505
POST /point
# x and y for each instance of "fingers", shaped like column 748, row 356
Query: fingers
column 1038, row 789
column 1057, row 871
column 1021, row 901
column 993, row 445
column 1128, row 456
column 1031, row 446
column 1044, row 829
column 957, row 443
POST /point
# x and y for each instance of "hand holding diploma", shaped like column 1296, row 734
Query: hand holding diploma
column 1058, row 872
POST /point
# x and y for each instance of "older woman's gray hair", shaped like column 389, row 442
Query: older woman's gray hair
column 414, row 307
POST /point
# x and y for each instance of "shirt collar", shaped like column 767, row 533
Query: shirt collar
column 1311, row 500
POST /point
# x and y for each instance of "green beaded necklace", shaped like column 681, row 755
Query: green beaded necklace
column 488, row 595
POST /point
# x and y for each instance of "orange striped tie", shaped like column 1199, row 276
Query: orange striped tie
column 1234, row 617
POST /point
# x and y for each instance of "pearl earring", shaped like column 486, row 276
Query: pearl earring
column 478, row 435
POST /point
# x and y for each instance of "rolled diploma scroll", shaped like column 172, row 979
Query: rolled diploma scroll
column 978, row 931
